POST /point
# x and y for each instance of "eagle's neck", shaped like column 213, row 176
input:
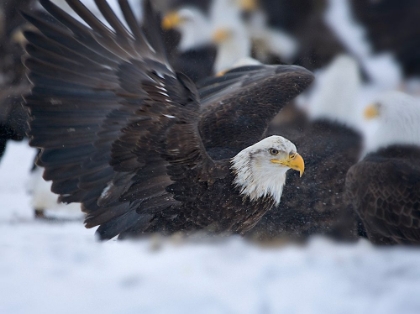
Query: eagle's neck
column 256, row 180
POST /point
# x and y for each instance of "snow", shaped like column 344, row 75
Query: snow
column 60, row 267
column 14, row 171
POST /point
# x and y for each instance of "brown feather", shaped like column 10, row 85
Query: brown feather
column 384, row 190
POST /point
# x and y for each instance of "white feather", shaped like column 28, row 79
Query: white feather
column 336, row 93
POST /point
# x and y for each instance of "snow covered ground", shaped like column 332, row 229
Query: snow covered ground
column 59, row 267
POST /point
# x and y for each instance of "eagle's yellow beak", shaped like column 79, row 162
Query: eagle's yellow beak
column 371, row 112
column 221, row 73
column 220, row 35
column 294, row 161
column 171, row 20
column 248, row 5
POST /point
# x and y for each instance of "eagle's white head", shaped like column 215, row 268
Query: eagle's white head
column 397, row 116
column 260, row 169
column 194, row 26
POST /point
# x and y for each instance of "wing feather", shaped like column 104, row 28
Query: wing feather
column 110, row 116
column 120, row 131
column 237, row 107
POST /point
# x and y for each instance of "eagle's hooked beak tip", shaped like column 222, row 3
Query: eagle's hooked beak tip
column 294, row 161
column 298, row 164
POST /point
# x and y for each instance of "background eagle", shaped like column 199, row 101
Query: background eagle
column 129, row 138
column 384, row 187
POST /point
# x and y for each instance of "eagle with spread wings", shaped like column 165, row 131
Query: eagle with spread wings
column 140, row 146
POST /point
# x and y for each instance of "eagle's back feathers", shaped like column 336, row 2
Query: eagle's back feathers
column 384, row 190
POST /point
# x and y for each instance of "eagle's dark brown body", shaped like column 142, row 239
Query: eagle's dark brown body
column 229, row 211
column 384, row 189
column 129, row 138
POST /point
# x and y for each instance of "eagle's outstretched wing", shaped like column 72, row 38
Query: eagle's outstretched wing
column 116, row 125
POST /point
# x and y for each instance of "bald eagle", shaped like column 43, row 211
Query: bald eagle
column 384, row 187
column 129, row 138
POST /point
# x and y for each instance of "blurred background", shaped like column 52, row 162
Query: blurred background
column 357, row 49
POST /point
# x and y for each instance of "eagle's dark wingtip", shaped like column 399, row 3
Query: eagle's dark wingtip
column 301, row 77
column 302, row 72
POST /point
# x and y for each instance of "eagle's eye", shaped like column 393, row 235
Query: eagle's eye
column 273, row 151
column 292, row 156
